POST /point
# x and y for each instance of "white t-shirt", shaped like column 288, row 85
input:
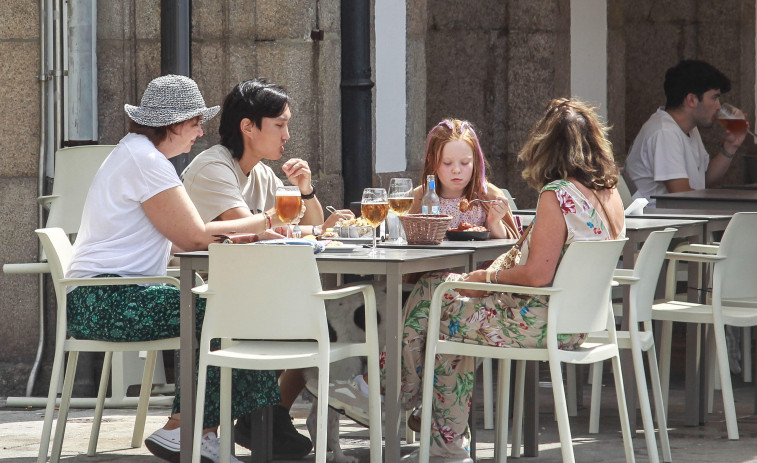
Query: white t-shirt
column 662, row 151
column 215, row 183
column 116, row 236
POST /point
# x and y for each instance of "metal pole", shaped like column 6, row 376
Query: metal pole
column 175, row 51
column 357, row 132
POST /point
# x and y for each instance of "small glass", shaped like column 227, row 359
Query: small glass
column 288, row 205
column 374, row 208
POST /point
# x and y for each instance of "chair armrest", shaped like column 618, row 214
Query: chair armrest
column 700, row 248
column 30, row 267
column 624, row 280
column 46, row 200
column 341, row 292
column 691, row 257
column 622, row 273
column 111, row 281
column 202, row 290
column 499, row 288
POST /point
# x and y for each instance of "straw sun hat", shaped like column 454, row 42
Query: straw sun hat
column 170, row 99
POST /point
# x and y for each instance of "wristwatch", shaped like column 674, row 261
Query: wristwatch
column 312, row 193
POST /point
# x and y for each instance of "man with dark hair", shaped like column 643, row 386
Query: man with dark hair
column 227, row 181
column 667, row 155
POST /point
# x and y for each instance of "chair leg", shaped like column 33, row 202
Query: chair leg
column 711, row 369
column 488, row 394
column 409, row 433
column 666, row 340
column 518, row 397
column 625, row 425
column 144, row 399
column 100, row 405
column 202, row 377
column 662, row 422
column 725, row 381
column 596, row 397
column 503, row 406
column 561, row 412
column 646, row 409
column 52, row 394
column 65, row 402
column 746, row 353
column 322, row 412
column 225, row 415
column 374, row 405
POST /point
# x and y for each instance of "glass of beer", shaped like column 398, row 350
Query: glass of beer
column 732, row 118
column 288, row 204
column 374, row 207
column 400, row 199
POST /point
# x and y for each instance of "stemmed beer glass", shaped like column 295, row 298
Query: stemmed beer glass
column 374, row 208
column 400, row 198
column 288, row 204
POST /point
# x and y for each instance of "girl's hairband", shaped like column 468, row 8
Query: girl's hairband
column 463, row 126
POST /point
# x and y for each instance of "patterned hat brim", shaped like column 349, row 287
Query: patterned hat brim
column 161, row 117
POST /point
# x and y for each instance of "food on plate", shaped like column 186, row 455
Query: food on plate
column 334, row 243
column 353, row 222
column 329, row 233
column 465, row 226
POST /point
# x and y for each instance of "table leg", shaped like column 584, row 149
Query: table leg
column 187, row 360
column 531, row 411
column 394, row 323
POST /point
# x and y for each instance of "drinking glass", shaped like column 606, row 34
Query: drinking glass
column 732, row 118
column 400, row 199
column 374, row 208
column 288, row 204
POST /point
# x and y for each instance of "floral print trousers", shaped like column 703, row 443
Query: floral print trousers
column 139, row 313
column 501, row 319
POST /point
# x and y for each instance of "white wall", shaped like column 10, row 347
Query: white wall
column 391, row 85
column 588, row 52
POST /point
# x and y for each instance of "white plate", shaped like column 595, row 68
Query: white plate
column 342, row 248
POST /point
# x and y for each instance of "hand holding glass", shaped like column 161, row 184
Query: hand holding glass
column 374, row 207
column 288, row 204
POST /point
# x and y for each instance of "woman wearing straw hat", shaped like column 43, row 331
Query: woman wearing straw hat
column 136, row 211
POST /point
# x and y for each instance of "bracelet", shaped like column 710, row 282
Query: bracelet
column 489, row 275
column 496, row 276
column 722, row 151
column 311, row 195
column 268, row 220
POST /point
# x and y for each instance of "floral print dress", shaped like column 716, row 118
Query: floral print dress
column 501, row 319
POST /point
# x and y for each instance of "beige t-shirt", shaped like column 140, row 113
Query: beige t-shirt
column 215, row 183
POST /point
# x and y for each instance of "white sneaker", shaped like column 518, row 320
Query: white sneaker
column 165, row 444
column 347, row 398
column 210, row 447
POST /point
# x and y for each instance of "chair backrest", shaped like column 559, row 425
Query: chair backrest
column 624, row 192
column 584, row 276
column 647, row 270
column 75, row 167
column 264, row 292
column 510, row 199
column 739, row 270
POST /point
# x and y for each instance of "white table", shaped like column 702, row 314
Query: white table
column 392, row 263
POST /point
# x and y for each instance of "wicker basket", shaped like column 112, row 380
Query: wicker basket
column 425, row 228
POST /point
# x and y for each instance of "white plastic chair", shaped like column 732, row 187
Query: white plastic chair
column 643, row 282
column 734, row 292
column 59, row 250
column 271, row 297
column 579, row 303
